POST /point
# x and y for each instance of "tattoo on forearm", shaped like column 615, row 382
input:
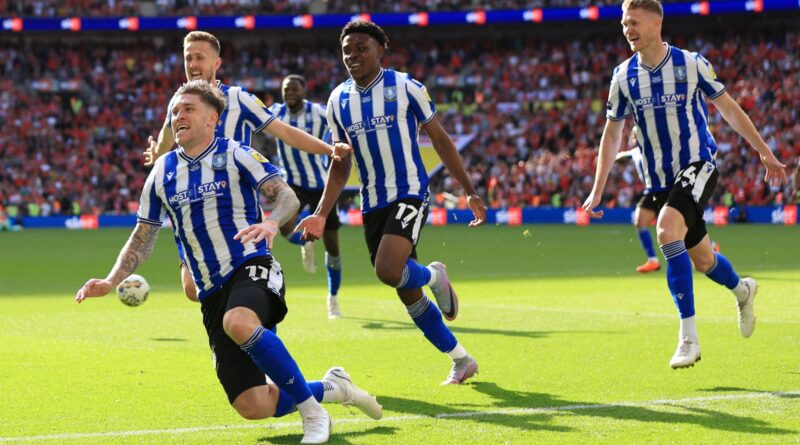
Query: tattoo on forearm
column 135, row 252
column 285, row 203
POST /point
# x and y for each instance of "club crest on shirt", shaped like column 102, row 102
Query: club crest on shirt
column 258, row 156
column 390, row 94
column 219, row 161
column 680, row 73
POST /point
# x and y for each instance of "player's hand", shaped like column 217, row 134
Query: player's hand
column 478, row 210
column 93, row 288
column 258, row 232
column 590, row 204
column 341, row 151
column 312, row 227
column 150, row 152
column 776, row 171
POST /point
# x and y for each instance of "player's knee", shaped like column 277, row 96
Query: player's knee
column 239, row 323
column 667, row 231
column 388, row 275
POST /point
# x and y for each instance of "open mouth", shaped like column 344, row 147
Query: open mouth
column 181, row 128
column 196, row 75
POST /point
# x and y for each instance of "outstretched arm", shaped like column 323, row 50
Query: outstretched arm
column 741, row 123
column 609, row 145
column 135, row 252
column 313, row 225
column 285, row 206
column 455, row 165
column 304, row 141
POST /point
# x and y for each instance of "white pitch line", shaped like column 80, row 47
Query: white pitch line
column 455, row 415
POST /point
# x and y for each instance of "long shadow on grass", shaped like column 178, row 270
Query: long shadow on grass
column 536, row 411
column 371, row 323
column 336, row 437
column 707, row 418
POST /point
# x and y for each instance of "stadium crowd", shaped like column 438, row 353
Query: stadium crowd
column 74, row 117
column 100, row 8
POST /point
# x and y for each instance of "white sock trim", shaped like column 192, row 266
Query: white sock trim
column 309, row 406
column 434, row 275
column 457, row 352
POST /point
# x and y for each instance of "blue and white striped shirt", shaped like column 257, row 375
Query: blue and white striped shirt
column 303, row 169
column 381, row 122
column 668, row 104
column 209, row 199
column 244, row 114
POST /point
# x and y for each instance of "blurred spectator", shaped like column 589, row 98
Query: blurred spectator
column 75, row 115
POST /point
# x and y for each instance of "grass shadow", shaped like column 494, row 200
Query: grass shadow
column 369, row 323
column 336, row 438
column 169, row 339
column 706, row 418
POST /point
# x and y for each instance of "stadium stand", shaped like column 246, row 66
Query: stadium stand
column 75, row 113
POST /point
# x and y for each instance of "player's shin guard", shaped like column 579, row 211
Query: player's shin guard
column 295, row 238
column 679, row 276
column 647, row 242
column 334, row 266
column 270, row 355
column 429, row 320
column 415, row 275
column 722, row 272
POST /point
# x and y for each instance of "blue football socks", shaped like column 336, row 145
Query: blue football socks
column 415, row 275
column 334, row 266
column 428, row 319
column 679, row 276
column 722, row 272
column 270, row 355
column 647, row 242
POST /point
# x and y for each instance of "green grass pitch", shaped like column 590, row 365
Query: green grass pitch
column 573, row 345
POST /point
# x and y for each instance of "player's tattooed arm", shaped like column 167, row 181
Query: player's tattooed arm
column 135, row 252
column 282, row 197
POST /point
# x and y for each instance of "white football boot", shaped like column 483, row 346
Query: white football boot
column 446, row 297
column 352, row 394
column 745, row 294
column 317, row 428
column 687, row 354
column 333, row 307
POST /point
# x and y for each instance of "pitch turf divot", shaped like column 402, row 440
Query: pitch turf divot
column 395, row 419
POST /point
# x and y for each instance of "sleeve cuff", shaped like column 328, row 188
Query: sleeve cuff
column 265, row 179
column 151, row 222
column 269, row 121
column 428, row 119
column 717, row 94
column 615, row 118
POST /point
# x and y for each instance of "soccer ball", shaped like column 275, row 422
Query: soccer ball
column 133, row 291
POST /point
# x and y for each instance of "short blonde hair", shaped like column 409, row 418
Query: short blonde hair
column 647, row 5
column 202, row 36
column 208, row 94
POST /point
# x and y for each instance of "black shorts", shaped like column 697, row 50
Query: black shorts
column 404, row 217
column 311, row 198
column 689, row 195
column 266, row 297
column 653, row 201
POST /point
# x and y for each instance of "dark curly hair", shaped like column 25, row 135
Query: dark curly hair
column 365, row 27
